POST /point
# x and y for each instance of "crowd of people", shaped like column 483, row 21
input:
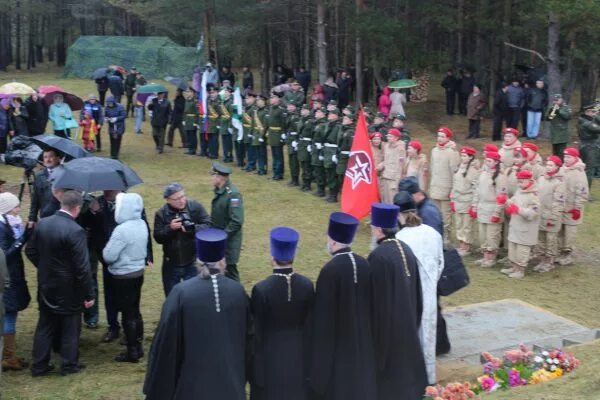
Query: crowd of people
column 372, row 327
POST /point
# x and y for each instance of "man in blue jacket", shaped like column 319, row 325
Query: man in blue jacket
column 426, row 209
column 115, row 115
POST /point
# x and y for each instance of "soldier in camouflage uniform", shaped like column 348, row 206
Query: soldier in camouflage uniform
column 588, row 127
column 191, row 121
column 225, row 127
column 213, row 107
column 398, row 123
column 330, row 153
column 332, row 105
column 295, row 95
column 275, row 135
column 259, row 142
column 379, row 125
column 344, row 147
column 305, row 134
column 319, row 132
column 292, row 127
column 249, row 131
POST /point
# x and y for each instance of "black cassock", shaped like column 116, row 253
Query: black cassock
column 280, row 324
column 397, row 310
column 343, row 360
column 199, row 349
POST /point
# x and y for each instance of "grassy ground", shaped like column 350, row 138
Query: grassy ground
column 570, row 292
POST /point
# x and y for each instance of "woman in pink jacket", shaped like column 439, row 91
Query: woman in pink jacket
column 385, row 103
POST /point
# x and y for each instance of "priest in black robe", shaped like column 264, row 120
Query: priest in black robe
column 401, row 372
column 199, row 349
column 281, row 305
column 343, row 359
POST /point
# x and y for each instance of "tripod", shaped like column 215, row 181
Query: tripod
column 27, row 179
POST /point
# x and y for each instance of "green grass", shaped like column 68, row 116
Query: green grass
column 570, row 292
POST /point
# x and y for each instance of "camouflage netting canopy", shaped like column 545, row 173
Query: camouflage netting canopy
column 155, row 56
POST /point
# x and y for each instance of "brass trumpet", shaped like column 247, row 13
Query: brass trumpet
column 553, row 112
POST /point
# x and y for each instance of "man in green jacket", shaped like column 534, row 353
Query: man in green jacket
column 225, row 126
column 588, row 127
column 559, row 115
column 305, row 135
column 191, row 121
column 292, row 127
column 213, row 105
column 319, row 133
column 227, row 213
column 274, row 126
column 249, row 131
column 330, row 154
column 344, row 147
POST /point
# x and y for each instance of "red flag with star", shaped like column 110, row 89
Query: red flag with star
column 360, row 188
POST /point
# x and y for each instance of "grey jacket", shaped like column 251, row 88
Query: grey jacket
column 126, row 249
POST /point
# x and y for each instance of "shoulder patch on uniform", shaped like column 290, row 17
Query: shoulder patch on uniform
column 235, row 202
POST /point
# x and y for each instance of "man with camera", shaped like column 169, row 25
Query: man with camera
column 175, row 224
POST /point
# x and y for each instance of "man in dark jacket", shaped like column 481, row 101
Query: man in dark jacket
column 102, row 87
column 303, row 78
column 175, row 224
column 58, row 249
column 130, row 83
column 465, row 87
column 500, row 111
column 92, row 106
column 247, row 80
column 177, row 119
column 537, row 101
column 226, row 75
column 515, row 99
column 449, row 85
column 38, row 115
column 115, row 115
column 42, row 185
column 161, row 112
column 115, row 84
column 344, row 82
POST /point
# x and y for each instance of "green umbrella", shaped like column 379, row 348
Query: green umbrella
column 152, row 88
column 402, row 84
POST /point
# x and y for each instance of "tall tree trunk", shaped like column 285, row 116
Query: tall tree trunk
column 321, row 41
column 30, row 43
column 210, row 41
column 266, row 63
column 358, row 63
column 507, row 12
column 460, row 31
column 307, row 45
column 554, row 76
column 590, row 81
column 18, row 34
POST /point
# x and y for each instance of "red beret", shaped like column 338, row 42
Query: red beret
column 531, row 146
column 524, row 174
column 571, row 151
column 447, row 131
column 493, row 155
column 511, row 130
column 468, row 150
column 521, row 150
column 490, row 147
column 556, row 160
column 415, row 144
column 375, row 134
column 394, row 132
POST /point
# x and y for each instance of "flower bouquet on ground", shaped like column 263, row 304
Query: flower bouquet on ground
column 518, row 367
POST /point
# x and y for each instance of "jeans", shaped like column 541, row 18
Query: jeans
column 277, row 153
column 139, row 118
column 534, row 119
column 172, row 275
column 10, row 322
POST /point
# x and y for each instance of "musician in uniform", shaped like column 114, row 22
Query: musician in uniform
column 558, row 116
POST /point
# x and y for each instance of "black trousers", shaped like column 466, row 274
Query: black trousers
column 191, row 140
column 3, row 144
column 158, row 134
column 558, row 150
column 462, row 103
column 514, row 115
column 442, row 341
column 171, row 133
column 213, row 145
column 497, row 128
column 450, row 100
column 52, row 327
column 115, row 146
column 99, row 139
column 474, row 128
column 203, row 143
column 112, row 315
column 61, row 133
column 102, row 95
column 128, row 293
column 240, row 153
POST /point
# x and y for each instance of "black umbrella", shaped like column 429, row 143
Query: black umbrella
column 92, row 174
column 65, row 146
column 100, row 73
column 179, row 83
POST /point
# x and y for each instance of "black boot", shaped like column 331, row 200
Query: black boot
column 131, row 354
column 140, row 337
column 320, row 192
column 332, row 198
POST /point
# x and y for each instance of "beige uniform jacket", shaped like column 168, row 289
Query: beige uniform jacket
column 443, row 165
column 576, row 191
column 523, row 227
column 464, row 186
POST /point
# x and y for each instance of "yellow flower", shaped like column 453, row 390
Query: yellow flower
column 559, row 372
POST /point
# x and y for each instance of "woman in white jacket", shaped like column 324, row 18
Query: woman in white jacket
column 126, row 253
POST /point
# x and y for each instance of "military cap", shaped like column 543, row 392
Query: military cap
column 367, row 109
column 590, row 107
column 321, row 109
column 352, row 116
column 350, row 108
column 305, row 107
column 332, row 103
column 557, row 96
column 250, row 94
column 294, row 82
column 276, row 94
column 221, row 169
column 334, row 111
column 399, row 116
column 228, row 89
column 261, row 96
column 380, row 115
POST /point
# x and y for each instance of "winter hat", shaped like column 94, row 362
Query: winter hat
column 493, row 155
column 571, row 151
column 490, row 148
column 511, row 130
column 524, row 174
column 8, row 201
column 394, row 132
column 415, row 144
column 447, row 131
column 375, row 134
column 404, row 201
column 556, row 160
column 468, row 150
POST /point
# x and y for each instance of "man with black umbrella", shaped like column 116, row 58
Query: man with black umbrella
column 42, row 196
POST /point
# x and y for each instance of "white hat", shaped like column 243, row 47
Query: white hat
column 8, row 201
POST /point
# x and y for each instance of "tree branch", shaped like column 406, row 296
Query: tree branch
column 527, row 50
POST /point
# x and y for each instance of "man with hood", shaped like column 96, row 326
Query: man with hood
column 115, row 114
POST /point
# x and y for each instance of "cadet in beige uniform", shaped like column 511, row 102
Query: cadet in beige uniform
column 511, row 141
column 524, row 209
column 394, row 155
column 444, row 162
column 534, row 161
column 576, row 194
column 488, row 204
column 552, row 198
column 461, row 197
column 377, row 149
column 416, row 163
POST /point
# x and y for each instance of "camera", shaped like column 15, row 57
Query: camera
column 186, row 221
